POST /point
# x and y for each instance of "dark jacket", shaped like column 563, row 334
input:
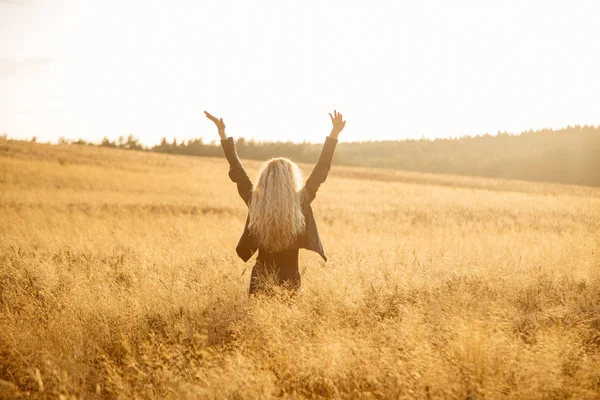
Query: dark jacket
column 310, row 239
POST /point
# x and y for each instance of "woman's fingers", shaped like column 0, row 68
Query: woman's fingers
column 337, row 118
column 218, row 121
column 210, row 116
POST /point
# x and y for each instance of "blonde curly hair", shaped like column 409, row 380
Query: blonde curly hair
column 275, row 210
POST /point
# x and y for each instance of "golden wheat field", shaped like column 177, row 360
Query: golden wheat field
column 119, row 279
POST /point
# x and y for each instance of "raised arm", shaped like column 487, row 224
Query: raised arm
column 237, row 173
column 319, row 174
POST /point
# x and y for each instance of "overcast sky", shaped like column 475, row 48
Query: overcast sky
column 274, row 69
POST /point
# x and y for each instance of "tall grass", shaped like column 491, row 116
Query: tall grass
column 119, row 279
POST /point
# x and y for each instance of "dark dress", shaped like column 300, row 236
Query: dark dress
column 279, row 268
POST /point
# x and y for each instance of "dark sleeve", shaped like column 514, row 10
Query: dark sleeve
column 237, row 173
column 319, row 174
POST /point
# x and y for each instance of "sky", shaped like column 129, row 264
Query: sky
column 273, row 70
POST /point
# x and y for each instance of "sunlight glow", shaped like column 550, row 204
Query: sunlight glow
column 273, row 70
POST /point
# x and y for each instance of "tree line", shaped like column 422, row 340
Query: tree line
column 569, row 155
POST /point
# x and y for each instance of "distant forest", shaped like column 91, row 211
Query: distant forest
column 570, row 155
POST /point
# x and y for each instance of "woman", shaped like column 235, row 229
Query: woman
column 280, row 220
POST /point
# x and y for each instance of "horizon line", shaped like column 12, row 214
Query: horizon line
column 67, row 140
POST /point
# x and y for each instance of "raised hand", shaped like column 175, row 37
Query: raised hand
column 219, row 123
column 338, row 124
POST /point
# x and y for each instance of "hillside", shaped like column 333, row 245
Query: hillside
column 119, row 279
column 570, row 155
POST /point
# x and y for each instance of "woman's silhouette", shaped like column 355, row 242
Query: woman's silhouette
column 280, row 220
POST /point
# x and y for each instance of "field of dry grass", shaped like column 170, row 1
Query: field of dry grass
column 119, row 279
